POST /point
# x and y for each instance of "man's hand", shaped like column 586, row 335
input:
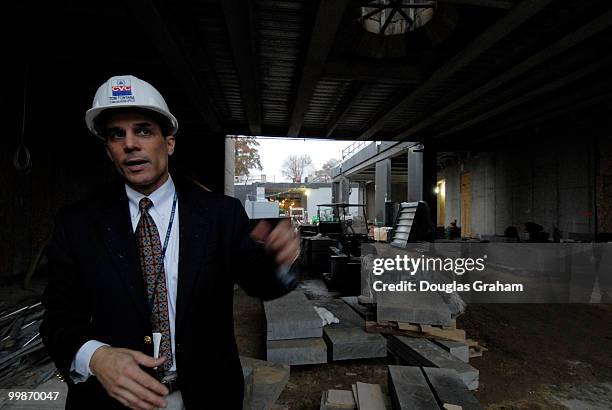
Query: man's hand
column 119, row 372
column 281, row 240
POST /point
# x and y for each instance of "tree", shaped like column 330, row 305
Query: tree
column 246, row 155
column 295, row 166
column 324, row 174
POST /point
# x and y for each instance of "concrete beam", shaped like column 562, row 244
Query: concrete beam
column 382, row 188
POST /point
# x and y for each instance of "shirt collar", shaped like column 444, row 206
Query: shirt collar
column 161, row 197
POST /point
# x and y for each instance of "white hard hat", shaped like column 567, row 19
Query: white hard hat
column 127, row 91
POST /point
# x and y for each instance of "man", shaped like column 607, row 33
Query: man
column 152, row 261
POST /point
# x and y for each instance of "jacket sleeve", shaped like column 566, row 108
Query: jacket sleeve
column 255, row 269
column 66, row 324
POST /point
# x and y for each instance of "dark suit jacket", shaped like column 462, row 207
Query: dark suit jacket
column 96, row 291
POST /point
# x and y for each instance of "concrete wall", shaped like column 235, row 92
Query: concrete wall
column 552, row 186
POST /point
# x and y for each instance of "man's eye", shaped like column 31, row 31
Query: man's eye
column 114, row 134
column 144, row 131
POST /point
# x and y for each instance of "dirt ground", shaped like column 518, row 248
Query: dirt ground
column 539, row 357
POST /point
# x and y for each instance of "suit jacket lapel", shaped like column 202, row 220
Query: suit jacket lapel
column 193, row 226
column 116, row 228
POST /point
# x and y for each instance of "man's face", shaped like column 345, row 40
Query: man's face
column 135, row 144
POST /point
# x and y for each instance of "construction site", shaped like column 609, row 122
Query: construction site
column 457, row 256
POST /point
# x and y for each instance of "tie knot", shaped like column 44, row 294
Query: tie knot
column 144, row 204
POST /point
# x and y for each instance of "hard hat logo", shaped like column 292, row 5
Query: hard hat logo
column 121, row 87
column 129, row 92
column 121, row 91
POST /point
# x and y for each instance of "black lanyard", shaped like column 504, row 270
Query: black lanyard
column 161, row 265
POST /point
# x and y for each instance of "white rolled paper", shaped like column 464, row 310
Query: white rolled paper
column 156, row 344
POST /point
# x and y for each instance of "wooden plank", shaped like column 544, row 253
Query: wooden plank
column 407, row 329
column 504, row 26
column 456, row 334
column 476, row 350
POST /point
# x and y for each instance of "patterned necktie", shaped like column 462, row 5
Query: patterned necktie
column 151, row 261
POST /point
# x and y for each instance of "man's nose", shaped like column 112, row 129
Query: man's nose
column 131, row 141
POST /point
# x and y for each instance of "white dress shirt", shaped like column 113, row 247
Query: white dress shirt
column 162, row 199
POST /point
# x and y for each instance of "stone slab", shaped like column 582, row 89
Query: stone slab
column 409, row 389
column 292, row 317
column 346, row 315
column 337, row 400
column 269, row 380
column 344, row 343
column 297, row 351
column 458, row 349
column 431, row 308
column 369, row 397
column 366, row 312
column 423, row 352
column 450, row 389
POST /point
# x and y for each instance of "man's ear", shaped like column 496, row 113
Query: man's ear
column 170, row 142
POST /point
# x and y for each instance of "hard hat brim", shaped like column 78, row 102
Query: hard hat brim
column 93, row 113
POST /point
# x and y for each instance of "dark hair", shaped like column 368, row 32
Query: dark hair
column 161, row 120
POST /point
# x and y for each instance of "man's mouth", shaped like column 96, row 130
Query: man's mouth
column 135, row 165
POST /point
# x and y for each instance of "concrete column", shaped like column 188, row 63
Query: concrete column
column 430, row 179
column 369, row 200
column 383, row 188
column 345, row 187
column 335, row 194
column 415, row 174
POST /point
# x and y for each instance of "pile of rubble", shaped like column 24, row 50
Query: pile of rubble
column 21, row 347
